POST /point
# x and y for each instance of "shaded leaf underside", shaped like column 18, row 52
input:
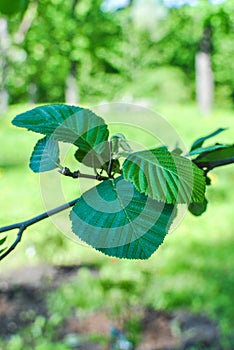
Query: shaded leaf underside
column 45, row 155
column 216, row 157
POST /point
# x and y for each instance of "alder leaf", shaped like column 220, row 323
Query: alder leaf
column 71, row 124
column 45, row 155
column 165, row 177
column 117, row 220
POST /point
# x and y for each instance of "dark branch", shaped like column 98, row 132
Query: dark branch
column 25, row 224
column 208, row 166
column 77, row 174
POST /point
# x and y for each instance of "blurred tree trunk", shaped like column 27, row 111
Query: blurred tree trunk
column 4, row 45
column 204, row 74
column 72, row 89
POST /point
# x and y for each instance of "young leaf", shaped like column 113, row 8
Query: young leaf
column 71, row 124
column 119, row 141
column 216, row 157
column 177, row 151
column 199, row 142
column 45, row 155
column 165, row 177
column 198, row 209
column 116, row 219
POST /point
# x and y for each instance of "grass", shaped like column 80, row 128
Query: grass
column 193, row 269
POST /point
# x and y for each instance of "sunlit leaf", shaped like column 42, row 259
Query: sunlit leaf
column 165, row 177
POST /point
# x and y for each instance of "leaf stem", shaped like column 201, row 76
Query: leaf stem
column 109, row 170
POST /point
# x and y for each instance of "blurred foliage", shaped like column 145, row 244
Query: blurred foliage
column 143, row 51
column 13, row 7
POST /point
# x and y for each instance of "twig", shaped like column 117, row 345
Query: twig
column 77, row 174
column 24, row 224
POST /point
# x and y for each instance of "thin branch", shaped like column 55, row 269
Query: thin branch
column 77, row 174
column 22, row 226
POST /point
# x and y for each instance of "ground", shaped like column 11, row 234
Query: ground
column 23, row 295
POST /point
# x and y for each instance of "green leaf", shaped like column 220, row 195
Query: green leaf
column 165, row 177
column 198, row 209
column 92, row 158
column 201, row 150
column 71, row 124
column 115, row 167
column 45, row 155
column 217, row 157
column 199, row 142
column 116, row 219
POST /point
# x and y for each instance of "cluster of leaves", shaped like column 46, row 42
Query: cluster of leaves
column 129, row 213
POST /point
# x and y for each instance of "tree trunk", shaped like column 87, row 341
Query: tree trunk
column 204, row 82
column 4, row 45
column 72, row 91
column 204, row 74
